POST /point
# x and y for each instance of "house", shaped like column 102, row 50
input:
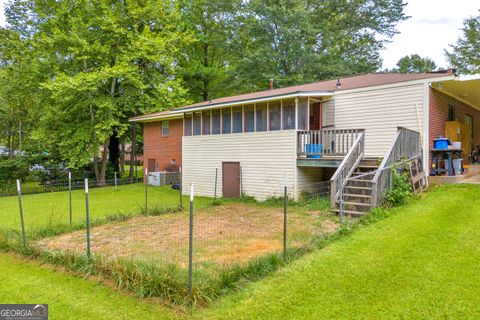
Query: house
column 303, row 134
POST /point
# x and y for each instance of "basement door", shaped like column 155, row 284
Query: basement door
column 231, row 179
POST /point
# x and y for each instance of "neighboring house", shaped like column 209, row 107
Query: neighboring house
column 257, row 139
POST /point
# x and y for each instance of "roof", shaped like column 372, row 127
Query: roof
column 156, row 116
column 321, row 88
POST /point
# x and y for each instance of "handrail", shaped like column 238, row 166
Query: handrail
column 334, row 142
column 406, row 144
column 347, row 167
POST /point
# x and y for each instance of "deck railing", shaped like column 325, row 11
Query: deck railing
column 347, row 167
column 318, row 143
column 405, row 145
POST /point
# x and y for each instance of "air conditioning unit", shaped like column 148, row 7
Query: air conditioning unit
column 154, row 179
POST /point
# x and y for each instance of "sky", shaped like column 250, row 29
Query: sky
column 434, row 24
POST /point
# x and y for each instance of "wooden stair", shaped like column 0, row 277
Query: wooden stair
column 357, row 194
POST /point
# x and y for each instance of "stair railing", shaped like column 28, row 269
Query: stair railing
column 405, row 145
column 347, row 167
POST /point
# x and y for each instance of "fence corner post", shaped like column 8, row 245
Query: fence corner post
column 190, row 243
column 87, row 217
column 70, row 194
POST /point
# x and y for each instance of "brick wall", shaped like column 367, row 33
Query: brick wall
column 163, row 149
column 439, row 114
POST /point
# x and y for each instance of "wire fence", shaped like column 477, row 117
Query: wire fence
column 142, row 223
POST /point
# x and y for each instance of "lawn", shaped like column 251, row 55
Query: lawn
column 421, row 262
column 51, row 210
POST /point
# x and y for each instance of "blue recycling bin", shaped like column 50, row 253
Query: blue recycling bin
column 314, row 150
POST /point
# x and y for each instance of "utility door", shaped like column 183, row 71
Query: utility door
column 231, row 179
column 151, row 165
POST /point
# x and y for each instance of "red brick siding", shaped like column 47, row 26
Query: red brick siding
column 439, row 114
column 163, row 148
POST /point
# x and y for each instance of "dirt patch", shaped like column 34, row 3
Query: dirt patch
column 222, row 235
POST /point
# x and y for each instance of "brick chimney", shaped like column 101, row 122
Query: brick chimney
column 270, row 84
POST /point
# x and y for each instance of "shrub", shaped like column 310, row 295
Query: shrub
column 401, row 189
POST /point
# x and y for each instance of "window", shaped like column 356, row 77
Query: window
column 451, row 111
column 216, row 121
column 165, row 128
column 226, row 120
column 237, row 120
column 261, row 116
column 288, row 115
column 249, row 114
column 206, row 122
column 188, row 124
column 197, row 123
column 274, row 116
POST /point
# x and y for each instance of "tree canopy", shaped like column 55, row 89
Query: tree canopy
column 465, row 54
column 415, row 63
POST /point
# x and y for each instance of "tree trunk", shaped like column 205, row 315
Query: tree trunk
column 133, row 150
column 103, row 171
column 122, row 158
column 114, row 152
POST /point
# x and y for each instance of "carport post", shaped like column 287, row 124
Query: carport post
column 190, row 243
column 115, row 177
column 19, row 191
column 87, row 217
column 70, row 193
column 285, row 218
column 215, row 189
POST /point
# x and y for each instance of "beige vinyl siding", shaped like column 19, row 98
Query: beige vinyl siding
column 328, row 116
column 380, row 110
column 264, row 158
column 306, row 176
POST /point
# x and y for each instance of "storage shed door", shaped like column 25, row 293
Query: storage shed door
column 231, row 179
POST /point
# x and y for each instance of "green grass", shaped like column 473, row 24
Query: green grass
column 421, row 262
column 69, row 296
column 49, row 212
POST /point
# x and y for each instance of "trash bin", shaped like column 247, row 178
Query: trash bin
column 457, row 166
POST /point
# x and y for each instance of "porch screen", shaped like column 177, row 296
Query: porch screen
column 249, row 115
column 237, row 119
column 261, row 114
column 288, row 114
column 226, row 120
column 188, row 124
column 274, row 115
column 206, row 122
column 216, row 121
column 303, row 114
column 197, row 123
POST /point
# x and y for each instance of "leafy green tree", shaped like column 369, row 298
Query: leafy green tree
column 415, row 63
column 108, row 60
column 465, row 54
column 204, row 63
column 297, row 41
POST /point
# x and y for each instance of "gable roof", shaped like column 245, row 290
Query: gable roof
column 321, row 88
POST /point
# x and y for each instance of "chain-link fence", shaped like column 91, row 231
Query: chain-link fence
column 139, row 225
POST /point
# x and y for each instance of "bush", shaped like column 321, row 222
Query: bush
column 14, row 168
column 401, row 189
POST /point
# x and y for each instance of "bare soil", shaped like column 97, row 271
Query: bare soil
column 222, row 235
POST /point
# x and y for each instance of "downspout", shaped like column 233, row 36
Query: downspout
column 426, row 127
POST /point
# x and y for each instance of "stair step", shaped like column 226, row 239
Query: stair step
column 358, row 188
column 355, row 203
column 360, row 180
column 357, row 195
column 350, row 212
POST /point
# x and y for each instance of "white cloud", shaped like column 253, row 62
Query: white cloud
column 434, row 24
column 2, row 16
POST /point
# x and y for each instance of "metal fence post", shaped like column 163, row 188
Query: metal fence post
column 340, row 202
column 190, row 243
column 19, row 191
column 70, row 194
column 215, row 191
column 87, row 217
column 115, row 180
column 285, row 218
column 181, row 187
column 146, row 190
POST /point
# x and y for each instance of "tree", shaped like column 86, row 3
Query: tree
column 415, row 63
column 205, row 62
column 108, row 60
column 297, row 41
column 465, row 54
